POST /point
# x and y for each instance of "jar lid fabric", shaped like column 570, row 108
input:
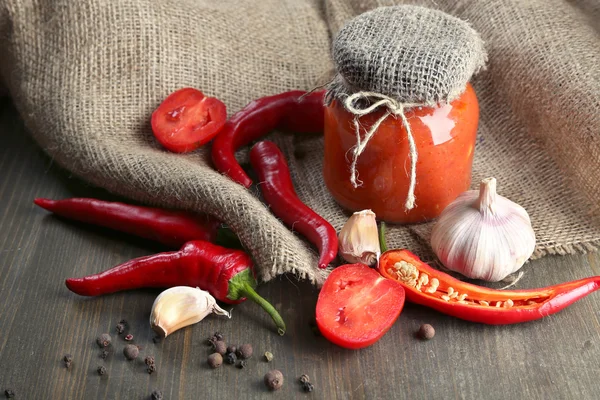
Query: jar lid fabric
column 412, row 54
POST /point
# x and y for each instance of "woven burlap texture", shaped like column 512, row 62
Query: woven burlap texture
column 409, row 53
column 86, row 76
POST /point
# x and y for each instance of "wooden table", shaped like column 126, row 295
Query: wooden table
column 555, row 358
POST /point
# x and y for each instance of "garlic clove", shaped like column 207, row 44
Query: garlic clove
column 359, row 239
column 181, row 306
column 483, row 235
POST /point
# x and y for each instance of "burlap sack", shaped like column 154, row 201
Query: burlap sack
column 86, row 75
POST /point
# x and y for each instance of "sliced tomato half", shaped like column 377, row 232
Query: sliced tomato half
column 357, row 306
column 187, row 119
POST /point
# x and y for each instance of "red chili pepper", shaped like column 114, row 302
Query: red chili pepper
column 226, row 274
column 172, row 228
column 278, row 191
column 475, row 303
column 296, row 111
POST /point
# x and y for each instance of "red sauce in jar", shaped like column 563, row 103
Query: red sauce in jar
column 445, row 141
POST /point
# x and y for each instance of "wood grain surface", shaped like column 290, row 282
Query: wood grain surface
column 554, row 358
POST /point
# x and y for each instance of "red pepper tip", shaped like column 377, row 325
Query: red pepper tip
column 75, row 285
column 42, row 202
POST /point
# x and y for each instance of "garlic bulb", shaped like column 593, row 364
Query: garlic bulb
column 358, row 239
column 483, row 235
column 181, row 306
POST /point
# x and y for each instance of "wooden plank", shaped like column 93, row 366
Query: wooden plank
column 558, row 357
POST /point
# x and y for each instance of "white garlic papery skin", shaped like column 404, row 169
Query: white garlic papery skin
column 359, row 240
column 483, row 235
column 181, row 306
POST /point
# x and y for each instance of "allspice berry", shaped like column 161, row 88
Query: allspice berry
column 426, row 332
column 274, row 379
column 104, row 340
column 244, row 351
column 220, row 347
column 215, row 360
column 131, row 352
column 101, row 370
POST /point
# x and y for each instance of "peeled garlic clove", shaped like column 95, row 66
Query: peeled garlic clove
column 359, row 240
column 483, row 235
column 181, row 306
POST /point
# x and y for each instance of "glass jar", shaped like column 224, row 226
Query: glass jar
column 445, row 140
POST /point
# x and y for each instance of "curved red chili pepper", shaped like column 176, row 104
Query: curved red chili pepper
column 296, row 111
column 172, row 228
column 480, row 304
column 278, row 191
column 226, row 274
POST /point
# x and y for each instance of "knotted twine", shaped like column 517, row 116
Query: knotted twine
column 401, row 57
column 394, row 109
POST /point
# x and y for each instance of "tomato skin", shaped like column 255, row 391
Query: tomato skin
column 187, row 119
column 357, row 306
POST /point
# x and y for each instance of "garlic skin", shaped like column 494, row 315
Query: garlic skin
column 359, row 240
column 483, row 235
column 181, row 306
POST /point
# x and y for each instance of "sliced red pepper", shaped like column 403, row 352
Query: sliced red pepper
column 432, row 288
column 187, row 119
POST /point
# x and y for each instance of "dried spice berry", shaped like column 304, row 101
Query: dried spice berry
column 308, row 387
column 274, row 379
column 241, row 364
column 151, row 369
column 426, row 332
column 304, row 378
column 120, row 328
column 104, row 354
column 220, row 347
column 215, row 360
column 101, row 370
column 231, row 348
column 149, row 360
column 104, row 340
column 68, row 360
column 230, row 358
column 131, row 352
column 9, row 393
column 268, row 356
column 244, row 351
column 218, row 336
column 157, row 395
column 129, row 337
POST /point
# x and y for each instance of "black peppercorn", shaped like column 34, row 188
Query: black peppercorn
column 101, row 370
column 215, row 360
column 274, row 379
column 157, row 339
column 9, row 393
column 68, row 360
column 149, row 360
column 304, row 378
column 426, row 332
column 131, row 352
column 231, row 348
column 151, row 369
column 218, row 336
column 104, row 340
column 157, row 395
column 120, row 328
column 104, row 354
column 230, row 358
column 220, row 347
column 308, row 387
column 241, row 364
column 244, row 351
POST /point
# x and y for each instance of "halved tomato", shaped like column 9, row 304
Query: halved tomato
column 187, row 119
column 357, row 306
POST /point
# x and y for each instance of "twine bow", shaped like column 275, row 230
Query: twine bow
column 393, row 108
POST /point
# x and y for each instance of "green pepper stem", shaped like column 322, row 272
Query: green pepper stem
column 382, row 241
column 248, row 291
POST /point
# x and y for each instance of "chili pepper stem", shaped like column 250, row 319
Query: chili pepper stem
column 242, row 285
column 250, row 293
column 382, row 241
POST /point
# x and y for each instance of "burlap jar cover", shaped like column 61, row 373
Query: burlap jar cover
column 85, row 77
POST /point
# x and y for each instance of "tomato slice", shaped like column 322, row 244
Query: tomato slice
column 357, row 306
column 187, row 119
